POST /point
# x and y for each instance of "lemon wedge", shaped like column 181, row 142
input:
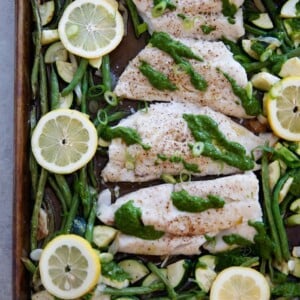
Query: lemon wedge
column 91, row 28
column 69, row 267
column 64, row 140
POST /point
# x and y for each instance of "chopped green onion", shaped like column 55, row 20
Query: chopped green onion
column 159, row 9
column 111, row 98
column 198, row 149
column 102, row 117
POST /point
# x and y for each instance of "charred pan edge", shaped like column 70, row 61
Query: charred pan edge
column 22, row 204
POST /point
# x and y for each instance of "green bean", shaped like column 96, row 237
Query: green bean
column 36, row 209
column 132, row 291
column 29, row 265
column 65, row 189
column 253, row 30
column 81, row 70
column 116, row 116
column 54, row 89
column 43, row 86
column 91, row 172
column 90, row 223
column 38, row 47
column 105, row 70
column 273, row 12
column 171, row 292
column 84, row 88
column 138, row 27
column 278, row 219
column 59, row 195
column 73, row 209
column 60, row 9
column 33, row 165
column 84, row 192
column 268, row 207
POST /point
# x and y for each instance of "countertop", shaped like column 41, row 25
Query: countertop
column 7, row 28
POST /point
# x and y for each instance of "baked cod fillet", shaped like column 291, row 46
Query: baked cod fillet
column 184, row 231
column 164, row 129
column 191, row 18
column 218, row 95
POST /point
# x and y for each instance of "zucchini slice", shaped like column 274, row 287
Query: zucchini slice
column 205, row 273
column 178, row 272
column 103, row 235
column 136, row 269
column 153, row 278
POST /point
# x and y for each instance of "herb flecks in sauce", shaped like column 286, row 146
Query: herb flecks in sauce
column 251, row 104
column 183, row 201
column 207, row 29
column 216, row 146
column 229, row 10
column 180, row 53
column 129, row 135
column 157, row 79
column 128, row 220
column 178, row 159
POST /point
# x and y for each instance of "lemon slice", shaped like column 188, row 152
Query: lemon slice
column 236, row 283
column 91, row 28
column 283, row 108
column 69, row 267
column 64, row 140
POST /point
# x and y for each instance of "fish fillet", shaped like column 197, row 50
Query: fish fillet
column 164, row 129
column 189, row 17
column 166, row 245
column 132, row 84
column 184, row 231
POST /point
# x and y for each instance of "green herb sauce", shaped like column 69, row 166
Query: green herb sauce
column 183, row 201
column 128, row 220
column 156, row 78
column 229, row 10
column 251, row 105
column 180, row 53
column 113, row 271
column 129, row 135
column 207, row 29
column 216, row 146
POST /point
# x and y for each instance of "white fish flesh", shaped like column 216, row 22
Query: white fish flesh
column 219, row 95
column 163, row 128
column 189, row 17
column 187, row 229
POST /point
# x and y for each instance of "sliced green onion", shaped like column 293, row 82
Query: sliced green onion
column 198, row 149
column 102, row 117
column 159, row 9
column 184, row 176
column 111, row 98
column 96, row 91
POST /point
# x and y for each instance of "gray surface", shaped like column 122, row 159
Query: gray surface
column 6, row 144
